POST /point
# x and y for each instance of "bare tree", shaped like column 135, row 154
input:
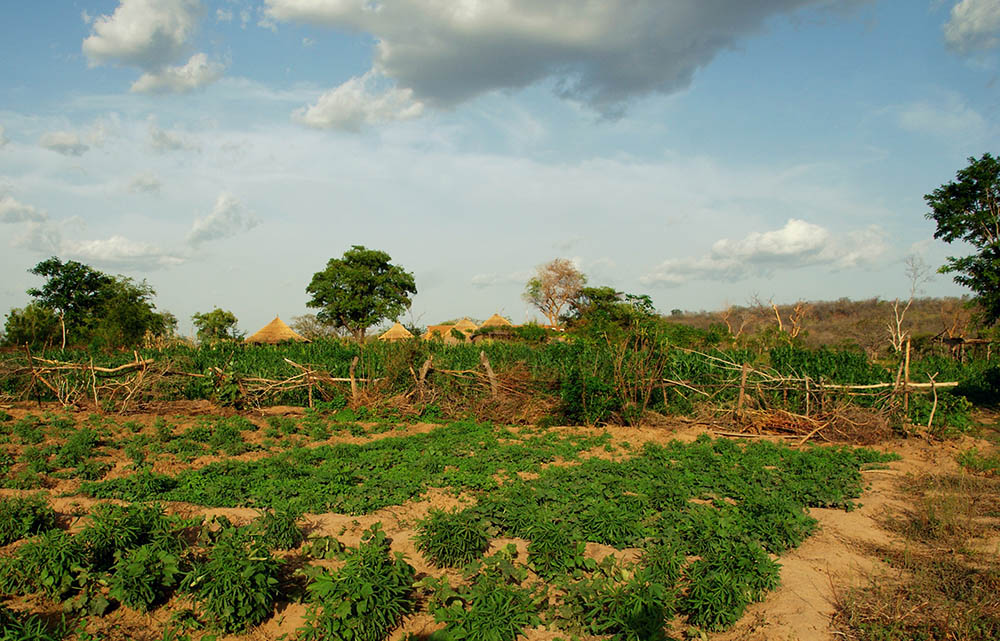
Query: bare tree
column 917, row 272
column 308, row 326
column 553, row 286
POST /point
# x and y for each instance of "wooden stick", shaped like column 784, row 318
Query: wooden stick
column 354, row 385
column 489, row 372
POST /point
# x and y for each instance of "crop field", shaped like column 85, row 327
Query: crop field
column 315, row 525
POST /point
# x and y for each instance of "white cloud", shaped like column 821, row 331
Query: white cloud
column 66, row 143
column 797, row 244
column 3, row 139
column 223, row 15
column 519, row 278
column 148, row 34
column 163, row 141
column 973, row 25
column 228, row 218
column 948, row 116
column 12, row 211
column 359, row 102
column 602, row 53
column 196, row 73
column 145, row 183
column 120, row 252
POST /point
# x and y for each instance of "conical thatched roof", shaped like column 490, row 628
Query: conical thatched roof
column 465, row 325
column 496, row 320
column 275, row 332
column 396, row 333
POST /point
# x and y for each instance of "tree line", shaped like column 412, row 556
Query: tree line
column 78, row 304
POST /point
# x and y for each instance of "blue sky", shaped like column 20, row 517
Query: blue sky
column 699, row 151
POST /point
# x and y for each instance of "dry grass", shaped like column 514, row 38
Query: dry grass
column 938, row 587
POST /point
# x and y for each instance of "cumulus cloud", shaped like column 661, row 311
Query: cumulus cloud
column 66, row 143
column 11, row 211
column 602, row 53
column 145, row 183
column 197, row 73
column 228, row 218
column 797, row 244
column 151, row 35
column 120, row 252
column 163, row 141
column 359, row 102
column 143, row 33
column 973, row 25
column 3, row 139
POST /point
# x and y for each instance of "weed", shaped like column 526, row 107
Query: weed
column 78, row 448
column 981, row 463
column 47, row 563
column 278, row 529
column 15, row 626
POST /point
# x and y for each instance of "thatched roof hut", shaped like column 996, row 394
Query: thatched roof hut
column 496, row 320
column 395, row 333
column 466, row 326
column 275, row 332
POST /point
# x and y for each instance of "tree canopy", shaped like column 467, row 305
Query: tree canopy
column 968, row 209
column 216, row 325
column 602, row 308
column 360, row 290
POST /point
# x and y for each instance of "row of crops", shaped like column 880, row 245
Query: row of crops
column 705, row 524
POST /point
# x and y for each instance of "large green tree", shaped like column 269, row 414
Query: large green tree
column 34, row 325
column 97, row 308
column 967, row 209
column 360, row 290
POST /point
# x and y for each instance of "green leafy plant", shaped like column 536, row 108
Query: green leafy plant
column 15, row 626
column 48, row 563
column 238, row 583
column 364, row 600
column 279, row 530
column 633, row 605
column 144, row 576
column 452, row 539
column 553, row 550
column 23, row 516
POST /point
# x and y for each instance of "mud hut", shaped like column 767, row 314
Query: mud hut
column 275, row 332
column 395, row 333
column 496, row 320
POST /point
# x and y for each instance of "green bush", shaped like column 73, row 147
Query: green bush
column 23, row 516
column 114, row 530
column 365, row 599
column 634, row 607
column 452, row 539
column 279, row 530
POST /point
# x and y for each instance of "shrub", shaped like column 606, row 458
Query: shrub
column 22, row 517
column 635, row 608
column 364, row 600
column 452, row 539
column 116, row 529
column 78, row 448
column 552, row 550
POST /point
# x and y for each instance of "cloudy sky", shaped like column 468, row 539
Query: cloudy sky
column 700, row 151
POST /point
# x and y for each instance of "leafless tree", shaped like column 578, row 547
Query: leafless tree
column 917, row 272
column 308, row 326
column 553, row 286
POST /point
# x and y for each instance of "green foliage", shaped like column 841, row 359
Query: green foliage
column 144, row 576
column 633, row 606
column 48, row 563
column 966, row 210
column 279, row 530
column 953, row 412
column 238, row 583
column 452, row 539
column 980, row 462
column 365, row 599
column 720, row 586
column 216, row 325
column 553, row 551
column 26, row 627
column 360, row 290
column 115, row 530
column 34, row 325
column 78, row 448
column 21, row 517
